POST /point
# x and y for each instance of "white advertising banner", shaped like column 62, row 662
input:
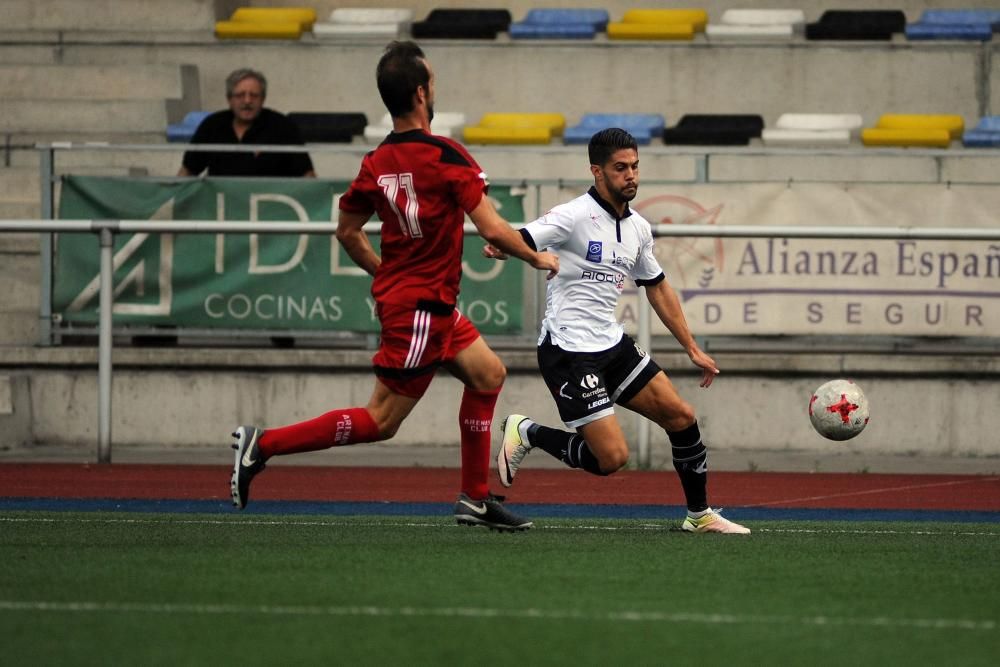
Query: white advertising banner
column 827, row 286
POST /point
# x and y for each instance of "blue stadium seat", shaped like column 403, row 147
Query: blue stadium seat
column 961, row 16
column 642, row 126
column 595, row 17
column 551, row 31
column 958, row 24
column 969, row 32
column 183, row 131
column 560, row 24
column 986, row 134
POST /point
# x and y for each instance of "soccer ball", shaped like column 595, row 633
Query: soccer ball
column 838, row 410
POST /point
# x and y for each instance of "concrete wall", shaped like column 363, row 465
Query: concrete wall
column 920, row 405
column 570, row 78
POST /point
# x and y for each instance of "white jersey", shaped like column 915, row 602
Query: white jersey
column 597, row 252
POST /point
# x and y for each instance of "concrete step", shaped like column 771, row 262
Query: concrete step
column 20, row 328
column 20, row 210
column 53, row 115
column 110, row 15
column 19, row 244
column 20, row 277
column 99, row 82
column 19, row 184
column 22, row 185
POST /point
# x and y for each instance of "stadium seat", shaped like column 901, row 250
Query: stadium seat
column 515, row 128
column 955, row 24
column 696, row 18
column 445, row 124
column 366, row 15
column 961, row 16
column 304, row 16
column 953, row 124
column 554, row 122
column 560, row 24
column 783, row 137
column 865, row 24
column 183, row 131
column 661, row 31
column 639, row 125
column 977, row 139
column 598, row 18
column 906, row 137
column 819, row 121
column 986, row 133
column 253, row 30
column 918, row 130
column 659, row 24
column 976, row 32
column 714, row 130
column 462, row 24
column 477, row 134
column 757, row 24
column 351, row 23
column 552, row 31
column 812, row 129
column 329, row 127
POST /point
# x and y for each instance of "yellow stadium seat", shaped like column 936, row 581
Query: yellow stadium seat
column 697, row 18
column 915, row 137
column 555, row 123
column 251, row 30
column 304, row 16
column 954, row 124
column 662, row 31
column 500, row 134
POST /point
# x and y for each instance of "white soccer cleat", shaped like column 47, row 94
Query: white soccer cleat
column 713, row 522
column 513, row 449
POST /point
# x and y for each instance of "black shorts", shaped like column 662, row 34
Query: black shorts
column 586, row 385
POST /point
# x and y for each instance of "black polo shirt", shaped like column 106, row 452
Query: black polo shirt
column 270, row 127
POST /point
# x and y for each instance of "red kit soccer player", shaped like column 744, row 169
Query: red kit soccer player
column 421, row 186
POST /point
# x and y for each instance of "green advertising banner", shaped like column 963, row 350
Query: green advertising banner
column 247, row 281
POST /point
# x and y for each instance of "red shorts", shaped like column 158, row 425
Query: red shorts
column 415, row 341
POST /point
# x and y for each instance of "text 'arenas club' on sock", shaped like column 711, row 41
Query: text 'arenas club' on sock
column 335, row 428
column 475, row 421
column 691, row 463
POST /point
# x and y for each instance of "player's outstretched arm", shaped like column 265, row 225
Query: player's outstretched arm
column 351, row 234
column 501, row 236
column 667, row 307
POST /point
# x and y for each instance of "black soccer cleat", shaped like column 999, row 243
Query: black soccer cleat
column 488, row 512
column 249, row 462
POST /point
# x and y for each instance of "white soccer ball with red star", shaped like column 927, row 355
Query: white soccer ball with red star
column 838, row 410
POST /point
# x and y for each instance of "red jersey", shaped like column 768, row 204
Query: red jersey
column 421, row 186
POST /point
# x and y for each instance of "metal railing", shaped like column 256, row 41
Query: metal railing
column 106, row 230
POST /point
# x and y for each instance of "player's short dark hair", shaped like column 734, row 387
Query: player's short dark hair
column 604, row 144
column 399, row 73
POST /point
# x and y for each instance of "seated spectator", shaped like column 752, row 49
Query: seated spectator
column 246, row 121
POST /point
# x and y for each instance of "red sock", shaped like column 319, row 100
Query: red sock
column 475, row 419
column 337, row 427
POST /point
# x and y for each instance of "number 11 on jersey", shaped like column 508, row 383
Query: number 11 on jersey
column 390, row 184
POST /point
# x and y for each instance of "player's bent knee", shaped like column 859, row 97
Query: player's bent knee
column 613, row 462
column 681, row 418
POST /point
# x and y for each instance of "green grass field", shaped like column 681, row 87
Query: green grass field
column 144, row 589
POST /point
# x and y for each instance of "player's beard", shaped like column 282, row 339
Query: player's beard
column 430, row 113
column 624, row 195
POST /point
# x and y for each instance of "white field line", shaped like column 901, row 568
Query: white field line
column 888, row 489
column 447, row 525
column 986, row 625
